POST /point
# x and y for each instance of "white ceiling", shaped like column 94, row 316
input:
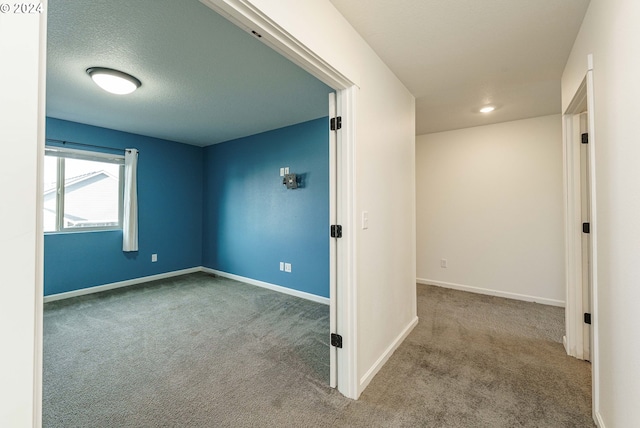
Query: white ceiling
column 204, row 80
column 457, row 55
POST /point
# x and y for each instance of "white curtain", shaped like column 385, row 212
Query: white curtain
column 130, row 214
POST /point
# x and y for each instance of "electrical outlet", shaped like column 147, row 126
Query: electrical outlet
column 443, row 263
column 281, row 172
column 154, row 258
column 281, row 265
column 287, row 267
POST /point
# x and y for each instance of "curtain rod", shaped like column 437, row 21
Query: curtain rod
column 87, row 145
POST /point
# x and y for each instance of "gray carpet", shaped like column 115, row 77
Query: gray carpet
column 202, row 351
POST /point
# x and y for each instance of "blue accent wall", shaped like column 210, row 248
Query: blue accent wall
column 252, row 222
column 222, row 207
column 170, row 180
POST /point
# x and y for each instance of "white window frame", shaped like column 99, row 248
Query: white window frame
column 61, row 154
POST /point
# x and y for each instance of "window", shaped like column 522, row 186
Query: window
column 82, row 190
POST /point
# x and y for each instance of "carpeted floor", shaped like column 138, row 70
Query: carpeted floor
column 203, row 351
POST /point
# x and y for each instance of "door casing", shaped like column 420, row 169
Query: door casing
column 576, row 301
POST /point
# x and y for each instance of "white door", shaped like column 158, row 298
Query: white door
column 585, row 203
column 333, row 246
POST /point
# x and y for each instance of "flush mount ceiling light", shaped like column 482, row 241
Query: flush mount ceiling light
column 487, row 109
column 113, row 81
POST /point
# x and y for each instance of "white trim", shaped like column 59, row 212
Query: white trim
column 120, row 284
column 574, row 308
column 249, row 18
column 39, row 286
column 134, row 281
column 87, row 154
column 598, row 420
column 273, row 287
column 369, row 375
column 595, row 354
column 490, row 292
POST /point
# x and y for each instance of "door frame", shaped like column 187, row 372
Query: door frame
column 22, row 111
column 575, row 307
column 243, row 14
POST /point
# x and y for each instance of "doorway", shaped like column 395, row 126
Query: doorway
column 347, row 310
column 343, row 302
column 335, row 243
column 581, row 313
column 580, row 199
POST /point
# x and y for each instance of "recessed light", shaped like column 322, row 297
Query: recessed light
column 487, row 109
column 113, row 81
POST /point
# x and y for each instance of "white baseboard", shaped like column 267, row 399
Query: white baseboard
column 369, row 375
column 105, row 287
column 273, row 287
column 497, row 293
column 599, row 421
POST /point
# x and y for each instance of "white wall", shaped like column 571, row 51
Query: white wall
column 22, row 139
column 610, row 32
column 384, row 176
column 489, row 201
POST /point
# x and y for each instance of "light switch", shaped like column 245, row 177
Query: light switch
column 287, row 267
column 365, row 219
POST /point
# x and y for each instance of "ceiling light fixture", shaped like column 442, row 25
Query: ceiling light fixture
column 113, row 81
column 487, row 109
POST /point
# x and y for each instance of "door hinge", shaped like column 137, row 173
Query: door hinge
column 336, row 231
column 336, row 340
column 586, row 228
column 585, row 138
column 587, row 318
column 336, row 123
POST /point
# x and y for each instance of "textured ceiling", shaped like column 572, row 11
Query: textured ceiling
column 457, row 55
column 204, row 80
